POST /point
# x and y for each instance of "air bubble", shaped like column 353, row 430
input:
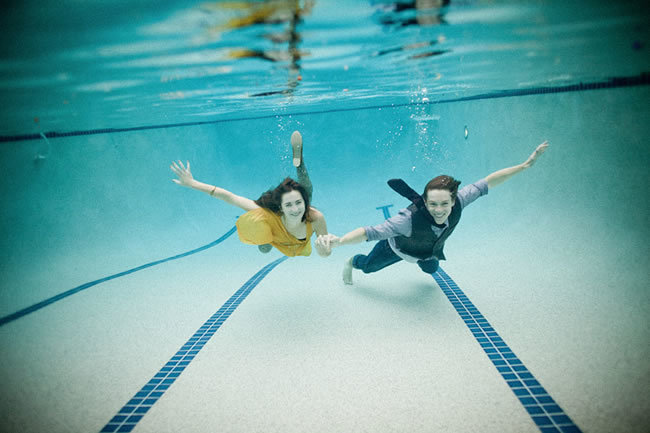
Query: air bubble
column 43, row 152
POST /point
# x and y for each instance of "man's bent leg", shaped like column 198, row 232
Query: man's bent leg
column 382, row 255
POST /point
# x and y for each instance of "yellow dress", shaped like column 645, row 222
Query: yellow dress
column 261, row 226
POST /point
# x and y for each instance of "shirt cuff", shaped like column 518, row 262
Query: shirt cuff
column 482, row 186
column 371, row 233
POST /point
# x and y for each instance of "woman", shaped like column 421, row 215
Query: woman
column 282, row 217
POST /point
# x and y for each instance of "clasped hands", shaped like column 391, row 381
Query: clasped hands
column 328, row 241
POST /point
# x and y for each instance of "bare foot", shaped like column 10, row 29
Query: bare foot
column 347, row 271
column 296, row 145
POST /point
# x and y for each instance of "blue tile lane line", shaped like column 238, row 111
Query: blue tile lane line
column 545, row 412
column 25, row 311
column 133, row 411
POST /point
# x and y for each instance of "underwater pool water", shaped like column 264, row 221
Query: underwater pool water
column 128, row 303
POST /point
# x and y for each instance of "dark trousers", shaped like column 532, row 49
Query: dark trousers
column 382, row 255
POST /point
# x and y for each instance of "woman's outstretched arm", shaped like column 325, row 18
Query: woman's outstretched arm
column 498, row 177
column 185, row 178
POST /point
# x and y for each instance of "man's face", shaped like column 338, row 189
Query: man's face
column 439, row 204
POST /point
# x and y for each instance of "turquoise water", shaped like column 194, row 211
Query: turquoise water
column 556, row 258
column 116, row 64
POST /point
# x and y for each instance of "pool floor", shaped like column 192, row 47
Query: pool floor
column 301, row 351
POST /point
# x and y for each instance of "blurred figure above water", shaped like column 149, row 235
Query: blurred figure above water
column 409, row 13
column 273, row 12
column 424, row 13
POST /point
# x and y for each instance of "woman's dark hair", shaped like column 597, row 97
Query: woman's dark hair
column 443, row 182
column 272, row 199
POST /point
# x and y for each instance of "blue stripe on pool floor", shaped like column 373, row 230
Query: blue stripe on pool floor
column 132, row 412
column 544, row 411
column 25, row 311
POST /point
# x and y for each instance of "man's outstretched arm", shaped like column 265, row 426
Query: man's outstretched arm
column 498, row 177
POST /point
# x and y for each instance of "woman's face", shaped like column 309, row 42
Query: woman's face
column 439, row 204
column 293, row 205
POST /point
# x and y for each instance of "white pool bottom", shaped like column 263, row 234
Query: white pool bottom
column 303, row 352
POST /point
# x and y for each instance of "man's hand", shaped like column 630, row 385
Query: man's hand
column 533, row 157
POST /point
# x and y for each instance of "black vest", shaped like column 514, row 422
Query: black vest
column 423, row 243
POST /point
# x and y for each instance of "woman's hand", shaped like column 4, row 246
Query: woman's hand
column 533, row 157
column 185, row 177
column 324, row 244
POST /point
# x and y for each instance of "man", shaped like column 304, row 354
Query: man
column 418, row 233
